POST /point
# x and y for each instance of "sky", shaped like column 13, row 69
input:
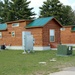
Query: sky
column 38, row 3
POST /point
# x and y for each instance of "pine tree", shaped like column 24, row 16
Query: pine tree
column 68, row 15
column 51, row 8
column 15, row 10
column 21, row 9
column 4, row 11
column 64, row 14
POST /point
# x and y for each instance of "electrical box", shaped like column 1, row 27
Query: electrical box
column 64, row 50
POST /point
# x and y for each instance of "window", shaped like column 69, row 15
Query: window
column 62, row 29
column 15, row 24
column 0, row 34
column 13, row 34
column 52, row 35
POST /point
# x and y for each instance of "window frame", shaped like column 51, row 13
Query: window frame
column 14, row 33
column 15, row 25
column 51, row 35
column 1, row 35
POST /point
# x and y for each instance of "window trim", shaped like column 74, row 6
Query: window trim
column 11, row 33
column 1, row 35
column 15, row 26
column 54, row 35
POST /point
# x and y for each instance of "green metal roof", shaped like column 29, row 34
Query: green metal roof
column 73, row 28
column 40, row 22
column 3, row 26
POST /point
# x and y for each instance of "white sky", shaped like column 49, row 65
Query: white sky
column 38, row 3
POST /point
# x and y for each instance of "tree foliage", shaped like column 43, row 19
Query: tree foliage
column 68, row 15
column 64, row 14
column 4, row 10
column 15, row 10
column 51, row 8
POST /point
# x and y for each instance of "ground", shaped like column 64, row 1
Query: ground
column 13, row 62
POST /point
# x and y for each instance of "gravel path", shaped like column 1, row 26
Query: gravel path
column 65, row 71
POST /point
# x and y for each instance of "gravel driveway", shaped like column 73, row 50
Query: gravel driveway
column 65, row 71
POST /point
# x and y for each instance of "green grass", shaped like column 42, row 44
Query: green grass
column 73, row 46
column 15, row 63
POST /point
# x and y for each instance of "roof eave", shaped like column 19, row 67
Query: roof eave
column 69, row 26
column 58, row 22
column 34, row 27
column 17, row 21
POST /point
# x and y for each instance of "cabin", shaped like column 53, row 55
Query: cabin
column 46, row 32
column 68, row 35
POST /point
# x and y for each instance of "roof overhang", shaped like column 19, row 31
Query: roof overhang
column 18, row 21
column 58, row 22
column 67, row 26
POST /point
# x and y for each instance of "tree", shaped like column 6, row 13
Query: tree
column 68, row 15
column 51, row 8
column 64, row 14
column 15, row 10
column 4, row 10
column 21, row 10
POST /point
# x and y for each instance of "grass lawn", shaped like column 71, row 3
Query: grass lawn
column 15, row 63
